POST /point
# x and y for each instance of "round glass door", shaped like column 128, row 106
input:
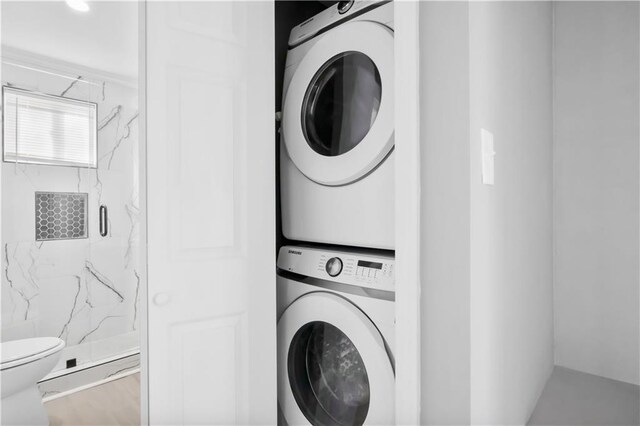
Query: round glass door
column 328, row 377
column 333, row 368
column 338, row 111
column 341, row 103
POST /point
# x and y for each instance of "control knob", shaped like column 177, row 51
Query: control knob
column 344, row 6
column 333, row 266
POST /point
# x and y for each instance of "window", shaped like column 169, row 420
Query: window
column 45, row 129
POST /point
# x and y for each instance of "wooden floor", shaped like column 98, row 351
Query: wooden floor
column 113, row 403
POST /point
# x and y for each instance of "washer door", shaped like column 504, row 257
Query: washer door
column 333, row 368
column 338, row 118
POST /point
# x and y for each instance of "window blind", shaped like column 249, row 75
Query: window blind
column 46, row 129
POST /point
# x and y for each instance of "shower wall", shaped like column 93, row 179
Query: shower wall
column 84, row 291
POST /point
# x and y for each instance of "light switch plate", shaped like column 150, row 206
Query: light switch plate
column 488, row 157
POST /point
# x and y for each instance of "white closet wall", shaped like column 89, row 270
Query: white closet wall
column 596, row 187
column 487, row 324
column 444, row 134
column 511, row 221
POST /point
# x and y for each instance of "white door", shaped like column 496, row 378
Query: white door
column 210, row 206
column 337, row 122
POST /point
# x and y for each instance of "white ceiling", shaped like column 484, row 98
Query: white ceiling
column 105, row 38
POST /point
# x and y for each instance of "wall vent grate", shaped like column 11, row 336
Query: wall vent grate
column 61, row 215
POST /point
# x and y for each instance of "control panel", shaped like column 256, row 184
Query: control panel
column 341, row 11
column 363, row 270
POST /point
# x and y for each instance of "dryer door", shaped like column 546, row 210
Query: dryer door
column 338, row 112
column 333, row 367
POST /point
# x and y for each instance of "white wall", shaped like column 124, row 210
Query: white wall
column 556, row 239
column 444, row 132
column 51, row 28
column 511, row 222
column 596, row 182
column 487, row 325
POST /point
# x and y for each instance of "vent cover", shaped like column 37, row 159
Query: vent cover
column 61, row 215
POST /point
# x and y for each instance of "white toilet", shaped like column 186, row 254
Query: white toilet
column 24, row 363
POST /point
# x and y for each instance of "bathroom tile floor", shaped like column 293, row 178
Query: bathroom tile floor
column 575, row 398
column 114, row 403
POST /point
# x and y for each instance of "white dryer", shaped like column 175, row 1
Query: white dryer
column 336, row 156
column 335, row 337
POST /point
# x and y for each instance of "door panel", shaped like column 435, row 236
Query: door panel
column 194, row 361
column 206, row 167
column 211, row 204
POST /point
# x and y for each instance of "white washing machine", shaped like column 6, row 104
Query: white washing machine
column 336, row 329
column 336, row 156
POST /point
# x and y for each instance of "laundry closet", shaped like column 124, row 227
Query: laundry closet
column 335, row 268
column 528, row 214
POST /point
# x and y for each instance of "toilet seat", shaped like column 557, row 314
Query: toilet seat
column 24, row 351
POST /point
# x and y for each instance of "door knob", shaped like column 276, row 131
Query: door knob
column 161, row 299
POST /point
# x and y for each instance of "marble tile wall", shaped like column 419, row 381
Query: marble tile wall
column 83, row 291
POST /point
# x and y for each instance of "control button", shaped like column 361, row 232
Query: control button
column 334, row 266
column 344, row 6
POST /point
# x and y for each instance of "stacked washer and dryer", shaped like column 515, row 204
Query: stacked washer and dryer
column 336, row 286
